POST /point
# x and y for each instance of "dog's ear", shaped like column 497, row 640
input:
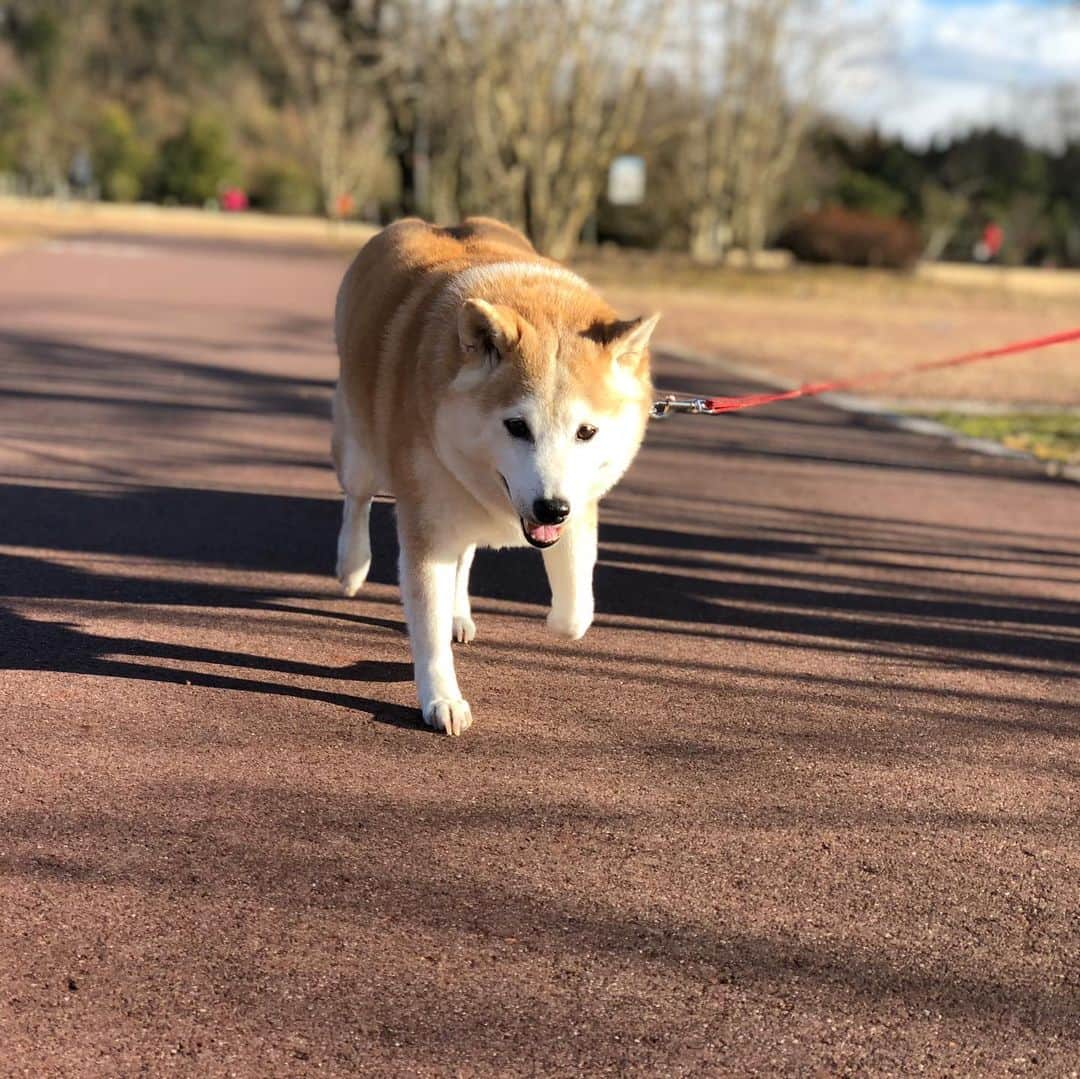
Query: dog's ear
column 628, row 341
column 488, row 330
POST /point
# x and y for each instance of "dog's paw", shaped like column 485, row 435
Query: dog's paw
column 352, row 577
column 572, row 624
column 464, row 628
column 352, row 583
column 449, row 716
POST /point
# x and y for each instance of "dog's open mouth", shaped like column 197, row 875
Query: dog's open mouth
column 539, row 535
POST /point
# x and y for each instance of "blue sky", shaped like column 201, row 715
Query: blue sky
column 945, row 65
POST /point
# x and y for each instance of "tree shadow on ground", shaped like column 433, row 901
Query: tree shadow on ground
column 677, row 574
column 36, row 645
column 295, row 535
column 63, row 371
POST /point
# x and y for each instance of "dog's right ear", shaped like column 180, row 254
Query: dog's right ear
column 489, row 331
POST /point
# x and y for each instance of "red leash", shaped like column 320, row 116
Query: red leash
column 713, row 406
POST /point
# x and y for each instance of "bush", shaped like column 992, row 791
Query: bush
column 852, row 237
column 195, row 162
column 858, row 191
column 39, row 42
column 284, row 188
column 121, row 159
column 15, row 108
column 121, row 186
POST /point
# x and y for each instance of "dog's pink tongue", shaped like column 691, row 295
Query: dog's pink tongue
column 544, row 533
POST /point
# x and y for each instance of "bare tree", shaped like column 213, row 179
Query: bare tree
column 755, row 68
column 544, row 96
column 333, row 56
column 55, row 57
column 943, row 211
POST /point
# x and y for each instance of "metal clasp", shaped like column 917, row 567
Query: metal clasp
column 665, row 406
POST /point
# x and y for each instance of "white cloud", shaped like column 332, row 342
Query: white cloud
column 946, row 66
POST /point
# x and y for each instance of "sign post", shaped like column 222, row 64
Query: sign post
column 626, row 181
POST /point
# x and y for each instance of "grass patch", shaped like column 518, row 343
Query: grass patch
column 951, row 286
column 1052, row 436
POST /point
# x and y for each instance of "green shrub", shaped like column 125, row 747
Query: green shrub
column 12, row 107
column 195, row 162
column 39, row 42
column 859, row 191
column 284, row 187
column 120, row 186
column 121, row 159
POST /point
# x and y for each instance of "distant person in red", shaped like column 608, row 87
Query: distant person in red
column 345, row 206
column 990, row 242
column 233, row 200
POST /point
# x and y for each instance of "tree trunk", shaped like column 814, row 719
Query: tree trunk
column 705, row 244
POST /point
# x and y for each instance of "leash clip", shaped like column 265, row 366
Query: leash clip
column 667, row 405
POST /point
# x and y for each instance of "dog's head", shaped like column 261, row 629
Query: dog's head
column 544, row 416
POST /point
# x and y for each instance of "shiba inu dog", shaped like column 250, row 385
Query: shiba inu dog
column 498, row 398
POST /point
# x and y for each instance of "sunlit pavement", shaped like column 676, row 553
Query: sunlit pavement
column 804, row 798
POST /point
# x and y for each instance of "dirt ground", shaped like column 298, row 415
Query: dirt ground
column 803, row 801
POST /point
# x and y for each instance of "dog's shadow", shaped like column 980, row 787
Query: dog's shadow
column 40, row 645
column 278, row 540
column 274, row 535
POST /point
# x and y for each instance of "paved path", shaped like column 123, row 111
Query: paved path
column 804, row 800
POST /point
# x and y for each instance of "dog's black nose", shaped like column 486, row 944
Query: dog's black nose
column 551, row 511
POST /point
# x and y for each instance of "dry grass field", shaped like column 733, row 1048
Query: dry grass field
column 26, row 220
column 808, row 324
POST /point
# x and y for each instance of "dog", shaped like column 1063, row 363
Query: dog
column 495, row 395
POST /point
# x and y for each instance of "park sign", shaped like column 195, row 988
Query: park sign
column 626, row 181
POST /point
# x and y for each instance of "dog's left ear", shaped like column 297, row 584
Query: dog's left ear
column 628, row 341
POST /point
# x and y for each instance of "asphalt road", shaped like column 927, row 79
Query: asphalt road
column 804, row 801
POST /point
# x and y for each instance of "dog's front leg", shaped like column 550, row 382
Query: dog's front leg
column 569, row 566
column 464, row 626
column 428, row 583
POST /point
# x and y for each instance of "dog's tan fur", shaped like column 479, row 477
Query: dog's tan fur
column 440, row 331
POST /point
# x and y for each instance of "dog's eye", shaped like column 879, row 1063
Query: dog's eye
column 518, row 428
column 585, row 432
